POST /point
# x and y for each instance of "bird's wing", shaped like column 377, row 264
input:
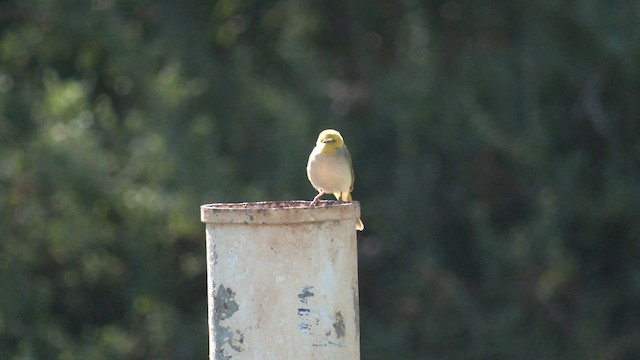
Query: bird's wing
column 353, row 177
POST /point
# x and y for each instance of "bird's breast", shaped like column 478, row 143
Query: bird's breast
column 329, row 172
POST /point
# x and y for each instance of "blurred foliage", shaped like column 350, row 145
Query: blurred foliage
column 496, row 146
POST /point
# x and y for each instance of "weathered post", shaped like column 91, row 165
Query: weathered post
column 282, row 280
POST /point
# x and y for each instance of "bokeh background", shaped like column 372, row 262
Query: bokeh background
column 496, row 147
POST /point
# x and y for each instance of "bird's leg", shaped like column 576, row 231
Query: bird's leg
column 316, row 199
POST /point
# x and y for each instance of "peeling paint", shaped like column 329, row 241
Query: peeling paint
column 226, row 304
column 304, row 313
column 338, row 325
column 225, row 338
column 224, row 335
column 237, row 341
column 305, row 294
column 304, row 325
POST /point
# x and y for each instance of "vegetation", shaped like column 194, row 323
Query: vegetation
column 496, row 147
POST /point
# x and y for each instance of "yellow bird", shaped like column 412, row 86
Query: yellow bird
column 330, row 170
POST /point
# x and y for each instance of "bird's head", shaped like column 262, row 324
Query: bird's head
column 330, row 140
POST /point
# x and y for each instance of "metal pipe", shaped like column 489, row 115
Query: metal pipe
column 282, row 280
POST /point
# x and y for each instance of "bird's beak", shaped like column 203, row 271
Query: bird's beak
column 327, row 140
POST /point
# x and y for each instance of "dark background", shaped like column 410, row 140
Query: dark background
column 496, row 147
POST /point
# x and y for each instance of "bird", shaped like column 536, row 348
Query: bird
column 330, row 170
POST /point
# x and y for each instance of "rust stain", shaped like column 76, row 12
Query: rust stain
column 275, row 244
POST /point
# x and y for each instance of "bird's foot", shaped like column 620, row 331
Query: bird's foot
column 316, row 200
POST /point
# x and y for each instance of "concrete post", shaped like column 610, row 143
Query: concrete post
column 282, row 280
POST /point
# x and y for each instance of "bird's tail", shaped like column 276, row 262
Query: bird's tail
column 343, row 196
column 346, row 196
